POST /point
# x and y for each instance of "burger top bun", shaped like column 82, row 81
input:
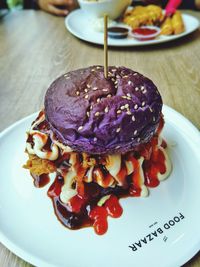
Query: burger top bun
column 103, row 116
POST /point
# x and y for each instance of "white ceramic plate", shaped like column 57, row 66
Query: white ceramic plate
column 167, row 221
column 80, row 25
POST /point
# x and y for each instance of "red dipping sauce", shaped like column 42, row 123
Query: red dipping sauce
column 146, row 33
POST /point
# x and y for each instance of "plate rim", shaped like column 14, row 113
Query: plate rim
column 144, row 43
column 30, row 258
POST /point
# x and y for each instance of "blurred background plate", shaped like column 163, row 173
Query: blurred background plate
column 82, row 27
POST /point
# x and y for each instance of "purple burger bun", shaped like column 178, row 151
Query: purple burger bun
column 95, row 115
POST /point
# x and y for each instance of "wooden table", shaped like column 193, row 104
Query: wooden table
column 35, row 48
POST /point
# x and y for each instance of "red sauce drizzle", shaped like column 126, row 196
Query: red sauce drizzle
column 76, row 203
column 40, row 180
column 154, row 166
column 99, row 217
column 47, row 146
column 135, row 188
column 42, row 126
column 55, row 188
column 113, row 207
column 99, row 214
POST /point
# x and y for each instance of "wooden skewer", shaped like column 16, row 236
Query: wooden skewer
column 105, row 46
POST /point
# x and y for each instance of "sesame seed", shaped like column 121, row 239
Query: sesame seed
column 127, row 106
column 130, row 83
column 136, row 89
column 86, row 90
column 86, row 96
column 113, row 79
column 66, row 74
column 114, row 70
column 98, row 67
column 117, row 147
column 88, row 113
column 128, row 95
column 142, row 87
column 123, row 96
column 77, row 92
column 116, row 86
column 98, row 100
column 80, row 128
column 138, row 139
column 116, row 82
column 128, row 112
column 125, row 76
column 136, row 106
column 135, row 132
column 106, row 110
column 97, row 114
column 117, row 76
column 151, row 110
column 122, row 107
column 109, row 95
column 154, row 119
column 118, row 130
column 92, row 70
column 95, row 139
column 105, row 90
column 133, row 118
column 88, row 86
column 143, row 103
column 91, row 107
column 144, row 91
column 119, row 111
column 128, row 98
column 135, row 74
column 94, row 88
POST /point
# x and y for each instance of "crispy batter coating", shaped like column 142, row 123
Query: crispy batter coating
column 140, row 16
column 39, row 166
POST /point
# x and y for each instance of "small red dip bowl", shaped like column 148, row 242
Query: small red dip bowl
column 145, row 33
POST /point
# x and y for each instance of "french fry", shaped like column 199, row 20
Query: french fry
column 166, row 27
column 177, row 23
